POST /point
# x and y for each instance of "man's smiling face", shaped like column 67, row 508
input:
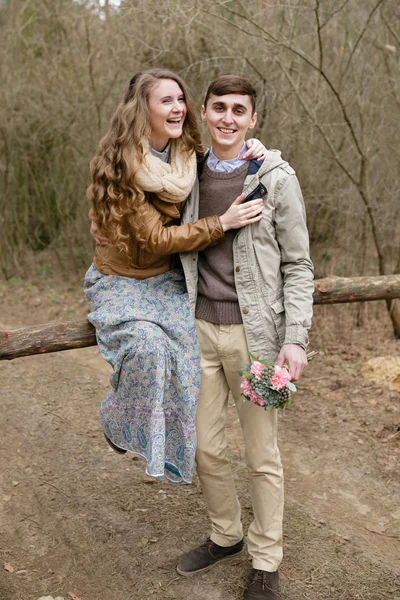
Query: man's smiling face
column 228, row 119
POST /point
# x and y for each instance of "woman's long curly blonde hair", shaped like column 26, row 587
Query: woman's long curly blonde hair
column 117, row 203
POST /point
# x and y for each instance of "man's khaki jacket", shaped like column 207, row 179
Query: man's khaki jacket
column 272, row 266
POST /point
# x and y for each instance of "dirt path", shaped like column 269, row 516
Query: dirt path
column 75, row 517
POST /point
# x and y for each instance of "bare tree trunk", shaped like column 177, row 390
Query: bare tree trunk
column 41, row 339
column 394, row 312
column 337, row 290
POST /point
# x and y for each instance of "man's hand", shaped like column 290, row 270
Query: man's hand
column 296, row 359
column 97, row 236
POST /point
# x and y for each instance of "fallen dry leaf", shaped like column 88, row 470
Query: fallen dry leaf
column 148, row 479
column 73, row 596
column 9, row 567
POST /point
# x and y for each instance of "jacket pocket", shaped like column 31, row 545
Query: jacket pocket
column 273, row 309
column 278, row 315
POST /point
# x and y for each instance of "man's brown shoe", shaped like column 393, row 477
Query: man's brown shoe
column 263, row 586
column 206, row 556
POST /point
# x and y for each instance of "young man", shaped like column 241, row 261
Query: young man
column 251, row 293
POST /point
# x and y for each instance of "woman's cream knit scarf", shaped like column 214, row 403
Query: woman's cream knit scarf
column 171, row 181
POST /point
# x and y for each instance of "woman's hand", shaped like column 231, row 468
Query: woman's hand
column 97, row 236
column 256, row 150
column 239, row 215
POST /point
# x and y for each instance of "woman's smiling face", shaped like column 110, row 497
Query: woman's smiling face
column 167, row 112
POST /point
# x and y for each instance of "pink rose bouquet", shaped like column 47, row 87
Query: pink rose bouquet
column 266, row 384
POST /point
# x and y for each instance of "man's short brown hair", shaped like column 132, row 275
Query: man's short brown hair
column 232, row 84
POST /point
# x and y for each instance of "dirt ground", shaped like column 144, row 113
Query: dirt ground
column 77, row 521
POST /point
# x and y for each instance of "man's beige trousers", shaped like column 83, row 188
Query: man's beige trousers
column 223, row 351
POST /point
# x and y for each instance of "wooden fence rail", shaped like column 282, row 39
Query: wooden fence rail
column 54, row 337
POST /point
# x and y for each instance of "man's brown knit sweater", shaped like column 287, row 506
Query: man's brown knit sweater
column 217, row 300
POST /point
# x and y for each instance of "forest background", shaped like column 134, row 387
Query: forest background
column 76, row 520
column 327, row 75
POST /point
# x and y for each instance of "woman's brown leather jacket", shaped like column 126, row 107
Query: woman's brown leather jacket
column 163, row 238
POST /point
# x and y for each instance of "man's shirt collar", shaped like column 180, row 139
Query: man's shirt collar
column 226, row 166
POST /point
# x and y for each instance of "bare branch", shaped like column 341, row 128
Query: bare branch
column 320, row 47
column 318, row 125
column 91, row 75
column 307, row 60
column 335, row 12
column 391, row 28
column 361, row 35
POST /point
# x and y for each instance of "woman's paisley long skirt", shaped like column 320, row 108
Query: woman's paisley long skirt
column 146, row 332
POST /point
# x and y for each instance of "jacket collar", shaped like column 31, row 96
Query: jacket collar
column 254, row 167
column 201, row 162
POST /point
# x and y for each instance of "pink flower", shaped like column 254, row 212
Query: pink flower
column 280, row 378
column 246, row 387
column 254, row 397
column 250, row 393
column 257, row 368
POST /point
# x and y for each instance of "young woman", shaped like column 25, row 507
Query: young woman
column 141, row 175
